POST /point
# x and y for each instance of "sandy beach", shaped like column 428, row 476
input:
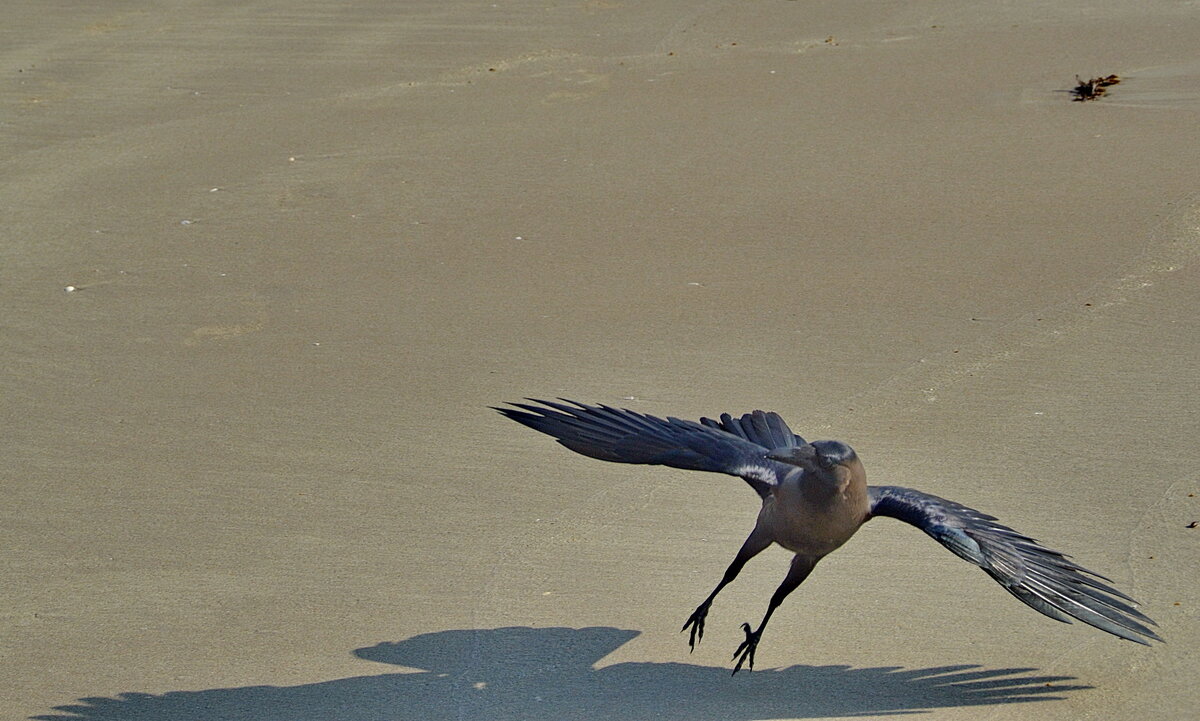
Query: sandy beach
column 266, row 265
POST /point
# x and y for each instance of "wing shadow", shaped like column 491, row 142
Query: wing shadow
column 549, row 673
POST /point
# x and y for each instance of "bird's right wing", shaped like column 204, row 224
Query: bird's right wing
column 624, row 436
column 1046, row 580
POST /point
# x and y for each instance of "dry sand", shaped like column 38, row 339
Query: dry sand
column 248, row 467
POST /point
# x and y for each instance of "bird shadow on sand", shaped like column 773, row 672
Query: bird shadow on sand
column 549, row 673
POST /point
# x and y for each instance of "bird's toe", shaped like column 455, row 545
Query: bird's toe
column 696, row 623
column 744, row 655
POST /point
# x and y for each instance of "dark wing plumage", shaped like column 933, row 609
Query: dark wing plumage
column 1046, row 580
column 767, row 429
column 624, row 436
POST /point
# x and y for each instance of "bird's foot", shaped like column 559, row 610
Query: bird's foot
column 696, row 623
column 745, row 653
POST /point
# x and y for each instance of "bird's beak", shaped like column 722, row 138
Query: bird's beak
column 796, row 455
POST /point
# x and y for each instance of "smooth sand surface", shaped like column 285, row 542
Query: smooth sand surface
column 249, row 470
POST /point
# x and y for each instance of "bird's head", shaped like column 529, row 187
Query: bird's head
column 833, row 462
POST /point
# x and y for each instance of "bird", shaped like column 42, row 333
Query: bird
column 815, row 497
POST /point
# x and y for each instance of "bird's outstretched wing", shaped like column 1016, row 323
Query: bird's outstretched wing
column 1046, row 580
column 733, row 446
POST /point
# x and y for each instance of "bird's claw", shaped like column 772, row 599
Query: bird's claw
column 696, row 623
column 745, row 652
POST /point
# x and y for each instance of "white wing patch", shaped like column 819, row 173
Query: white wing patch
column 757, row 473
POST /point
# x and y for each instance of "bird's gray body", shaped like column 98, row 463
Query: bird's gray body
column 815, row 497
column 812, row 518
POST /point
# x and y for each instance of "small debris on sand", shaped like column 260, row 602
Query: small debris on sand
column 1094, row 88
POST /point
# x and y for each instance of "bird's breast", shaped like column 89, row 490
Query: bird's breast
column 812, row 527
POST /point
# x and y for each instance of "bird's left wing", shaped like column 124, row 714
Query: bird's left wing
column 624, row 436
column 1046, row 580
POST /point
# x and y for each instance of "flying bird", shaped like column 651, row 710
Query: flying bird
column 815, row 496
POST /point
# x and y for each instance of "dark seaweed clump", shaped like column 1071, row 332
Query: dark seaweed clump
column 1094, row 88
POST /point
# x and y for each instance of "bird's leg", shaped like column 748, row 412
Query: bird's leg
column 751, row 547
column 799, row 570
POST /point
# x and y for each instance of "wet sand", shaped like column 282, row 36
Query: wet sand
column 250, row 471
